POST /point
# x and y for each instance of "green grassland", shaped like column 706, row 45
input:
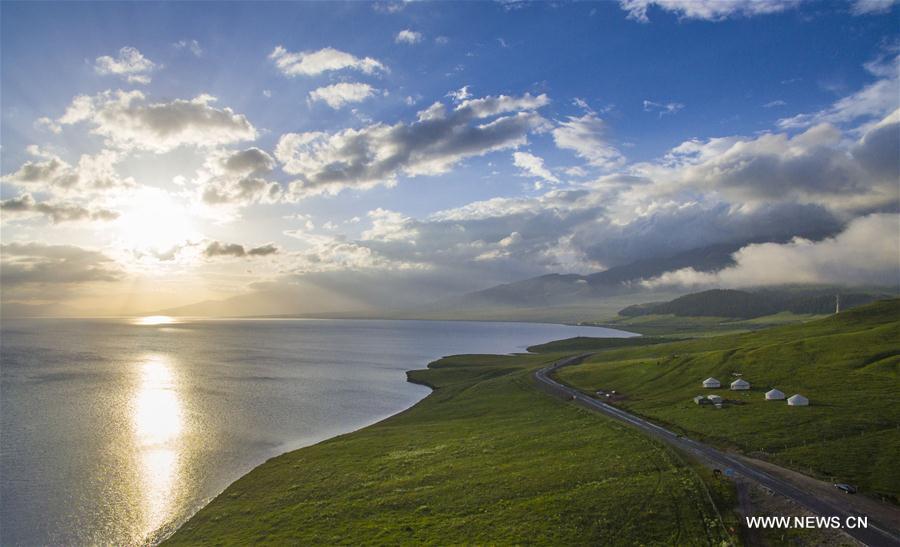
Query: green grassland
column 698, row 327
column 847, row 365
column 484, row 459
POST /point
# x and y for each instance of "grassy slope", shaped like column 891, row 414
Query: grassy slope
column 697, row 327
column 486, row 458
column 847, row 365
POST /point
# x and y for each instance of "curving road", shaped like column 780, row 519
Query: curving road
column 876, row 535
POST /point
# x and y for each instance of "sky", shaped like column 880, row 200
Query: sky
column 356, row 155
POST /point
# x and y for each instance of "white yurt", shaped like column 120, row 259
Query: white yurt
column 774, row 395
column 798, row 400
column 711, row 383
column 714, row 398
column 740, row 385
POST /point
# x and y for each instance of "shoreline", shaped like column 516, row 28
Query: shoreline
column 411, row 477
column 157, row 538
column 409, row 378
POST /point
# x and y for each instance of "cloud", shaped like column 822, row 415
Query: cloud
column 872, row 101
column 814, row 167
column 662, row 108
column 773, row 104
column 25, row 205
column 407, row 36
column 231, row 177
column 312, row 63
column 39, row 263
column 130, row 65
column 47, row 123
column 377, row 154
column 337, row 95
column 460, row 94
column 533, row 166
column 219, row 249
column 189, row 45
column 585, row 135
column 129, row 121
column 871, row 7
column 863, row 254
column 709, row 10
column 92, row 173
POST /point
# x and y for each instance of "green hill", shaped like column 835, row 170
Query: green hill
column 749, row 305
column 485, row 459
column 847, row 365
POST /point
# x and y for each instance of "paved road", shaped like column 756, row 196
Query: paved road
column 876, row 535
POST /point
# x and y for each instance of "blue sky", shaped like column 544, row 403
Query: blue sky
column 636, row 83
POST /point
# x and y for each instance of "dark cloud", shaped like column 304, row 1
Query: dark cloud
column 38, row 263
column 879, row 151
column 57, row 212
column 217, row 248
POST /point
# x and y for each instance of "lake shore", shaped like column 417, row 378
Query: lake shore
column 482, row 458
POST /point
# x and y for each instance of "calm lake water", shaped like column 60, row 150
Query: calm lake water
column 115, row 432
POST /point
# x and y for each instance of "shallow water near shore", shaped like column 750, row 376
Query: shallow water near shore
column 115, row 431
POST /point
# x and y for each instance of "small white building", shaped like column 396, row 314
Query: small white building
column 715, row 399
column 711, row 383
column 774, row 395
column 798, row 400
column 740, row 385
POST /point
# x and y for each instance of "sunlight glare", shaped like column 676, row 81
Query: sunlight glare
column 151, row 320
column 154, row 221
column 158, row 423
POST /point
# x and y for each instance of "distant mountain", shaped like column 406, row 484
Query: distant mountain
column 561, row 289
column 758, row 303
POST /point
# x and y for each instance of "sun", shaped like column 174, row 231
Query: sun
column 152, row 220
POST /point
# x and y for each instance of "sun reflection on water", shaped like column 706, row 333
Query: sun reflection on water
column 158, row 424
column 151, row 320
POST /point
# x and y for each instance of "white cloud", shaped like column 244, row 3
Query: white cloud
column 312, row 63
column 773, row 104
column 460, row 94
column 872, row 7
column 50, row 173
column 130, row 65
column 129, row 121
column 376, row 154
column 865, row 253
column 585, row 136
column 189, row 45
column 337, row 95
column 816, row 166
column 48, row 124
column 407, row 36
column 533, row 166
column 709, row 10
column 874, row 100
column 662, row 108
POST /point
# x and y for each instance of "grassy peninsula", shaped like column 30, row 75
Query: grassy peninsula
column 485, row 458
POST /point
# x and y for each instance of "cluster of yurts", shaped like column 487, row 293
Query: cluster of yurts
column 772, row 395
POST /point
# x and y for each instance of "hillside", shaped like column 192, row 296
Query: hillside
column 752, row 304
column 847, row 365
column 484, row 459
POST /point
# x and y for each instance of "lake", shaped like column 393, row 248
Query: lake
column 115, row 431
